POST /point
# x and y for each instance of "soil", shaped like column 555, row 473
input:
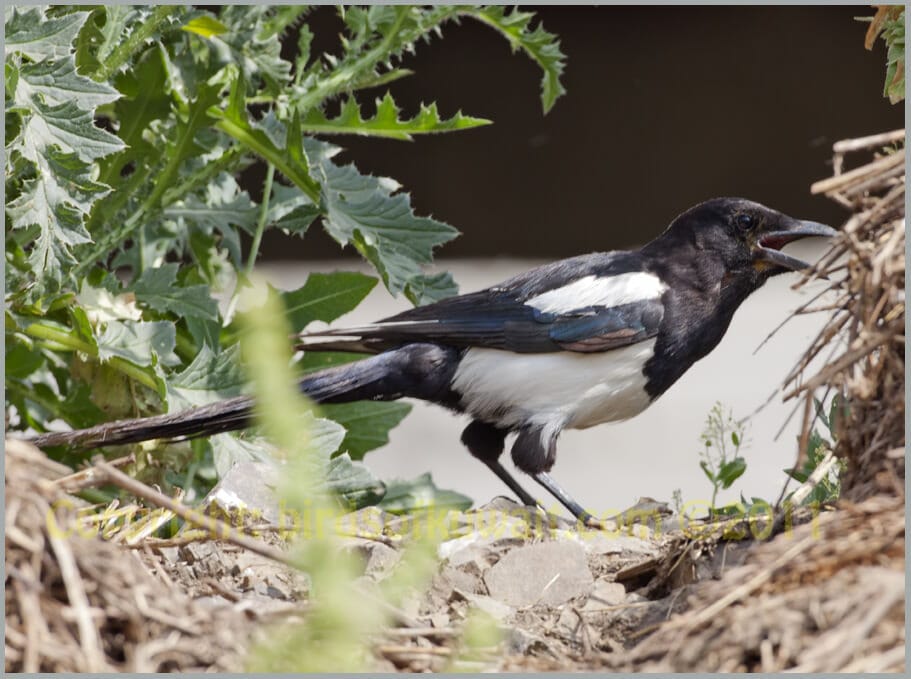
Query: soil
column 658, row 594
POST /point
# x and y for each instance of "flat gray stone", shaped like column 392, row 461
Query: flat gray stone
column 548, row 573
column 604, row 595
column 495, row 609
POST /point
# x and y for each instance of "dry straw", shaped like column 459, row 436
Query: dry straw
column 865, row 334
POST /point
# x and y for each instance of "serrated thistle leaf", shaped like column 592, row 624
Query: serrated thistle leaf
column 158, row 289
column 223, row 203
column 57, row 82
column 145, row 99
column 325, row 297
column 57, row 137
column 290, row 210
column 363, row 210
column 30, row 34
column 67, row 126
column 209, row 377
column 57, row 202
column 138, row 342
column 429, row 288
column 268, row 139
column 386, row 122
column 542, row 46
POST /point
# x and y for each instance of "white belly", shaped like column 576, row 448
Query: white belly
column 562, row 389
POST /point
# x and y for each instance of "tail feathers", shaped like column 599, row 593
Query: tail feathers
column 206, row 420
column 417, row 370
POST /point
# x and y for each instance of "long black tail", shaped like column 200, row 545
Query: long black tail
column 415, row 370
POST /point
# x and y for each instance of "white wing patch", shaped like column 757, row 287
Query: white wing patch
column 600, row 291
column 558, row 389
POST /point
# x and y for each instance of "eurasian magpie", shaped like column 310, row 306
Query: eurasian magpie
column 571, row 344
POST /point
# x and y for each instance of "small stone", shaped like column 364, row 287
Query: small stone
column 439, row 620
column 548, row 573
column 601, row 543
column 377, row 558
column 604, row 595
column 381, row 561
column 523, row 642
column 463, row 580
column 495, row 609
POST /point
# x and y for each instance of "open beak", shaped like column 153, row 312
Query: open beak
column 767, row 250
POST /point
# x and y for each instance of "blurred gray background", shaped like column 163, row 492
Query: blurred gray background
column 666, row 106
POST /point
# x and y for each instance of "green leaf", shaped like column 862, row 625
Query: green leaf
column 353, row 483
column 30, row 34
column 386, row 122
column 158, row 289
column 710, row 475
column 367, row 423
column 254, row 45
column 541, row 46
column 56, row 202
column 797, row 474
column 229, row 449
column 21, row 361
column 138, row 342
column 222, row 204
column 234, row 122
column 118, row 20
column 209, row 377
column 364, row 211
column 325, row 297
column 426, row 289
column 206, row 25
column 420, row 493
column 57, row 139
column 290, row 210
column 731, row 471
column 144, row 100
column 67, row 126
column 57, row 82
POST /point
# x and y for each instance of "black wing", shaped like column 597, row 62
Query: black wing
column 499, row 318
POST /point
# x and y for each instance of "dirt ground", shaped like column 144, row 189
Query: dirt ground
column 825, row 594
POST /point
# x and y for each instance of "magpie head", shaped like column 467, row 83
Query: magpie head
column 744, row 237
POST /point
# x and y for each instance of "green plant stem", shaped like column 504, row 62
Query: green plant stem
column 342, row 79
column 254, row 247
column 134, row 42
column 60, row 337
column 263, row 216
column 304, row 183
column 67, row 342
column 203, row 176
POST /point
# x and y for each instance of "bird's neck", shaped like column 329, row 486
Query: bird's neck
column 699, row 304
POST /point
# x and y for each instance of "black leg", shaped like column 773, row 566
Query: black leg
column 574, row 507
column 485, row 442
column 524, row 496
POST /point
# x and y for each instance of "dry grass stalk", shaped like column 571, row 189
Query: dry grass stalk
column 826, row 598
column 77, row 603
column 866, row 330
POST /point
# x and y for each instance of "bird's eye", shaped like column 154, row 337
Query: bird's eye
column 745, row 222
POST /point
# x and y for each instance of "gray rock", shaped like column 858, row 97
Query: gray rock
column 495, row 609
column 377, row 558
column 605, row 595
column 548, row 573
